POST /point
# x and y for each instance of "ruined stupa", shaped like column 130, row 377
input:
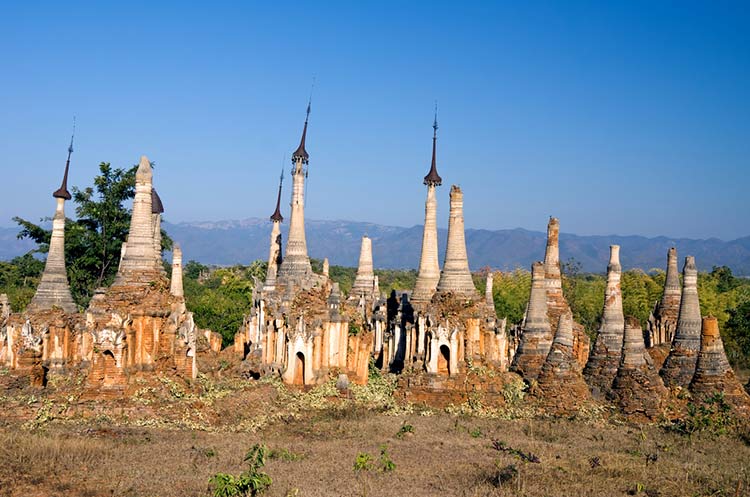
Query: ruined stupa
column 175, row 287
column 295, row 268
column 663, row 319
column 274, row 252
column 364, row 282
column 637, row 388
column 429, row 267
column 455, row 276
column 679, row 368
column 561, row 386
column 536, row 335
column 605, row 356
column 140, row 323
column 713, row 374
column 557, row 305
column 488, row 289
column 53, row 290
column 138, row 265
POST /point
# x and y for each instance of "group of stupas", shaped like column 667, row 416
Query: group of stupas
column 299, row 320
column 304, row 329
column 137, row 325
column 620, row 368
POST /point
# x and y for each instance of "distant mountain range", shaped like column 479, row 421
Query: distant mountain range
column 233, row 242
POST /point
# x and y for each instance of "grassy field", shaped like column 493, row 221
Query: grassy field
column 444, row 455
column 169, row 437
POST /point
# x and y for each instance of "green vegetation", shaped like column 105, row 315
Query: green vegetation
column 363, row 462
column 220, row 297
column 389, row 279
column 712, row 415
column 406, row 429
column 249, row 483
column 286, row 455
column 19, row 278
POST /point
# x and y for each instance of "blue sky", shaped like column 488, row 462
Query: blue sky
column 618, row 118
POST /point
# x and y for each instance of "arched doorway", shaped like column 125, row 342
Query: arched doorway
column 299, row 369
column 444, row 360
column 109, row 365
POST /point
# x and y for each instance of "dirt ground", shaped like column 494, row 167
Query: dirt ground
column 445, row 455
column 168, row 438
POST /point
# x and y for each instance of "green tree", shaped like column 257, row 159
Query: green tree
column 511, row 293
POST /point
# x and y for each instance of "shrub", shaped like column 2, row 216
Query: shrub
column 386, row 463
column 249, row 483
column 363, row 462
column 404, row 430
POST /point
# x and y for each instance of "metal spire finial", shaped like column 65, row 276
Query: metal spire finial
column 63, row 192
column 435, row 124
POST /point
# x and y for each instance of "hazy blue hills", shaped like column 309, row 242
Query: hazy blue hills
column 231, row 242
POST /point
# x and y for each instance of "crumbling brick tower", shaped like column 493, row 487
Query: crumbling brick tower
column 663, row 319
column 137, row 324
column 602, row 365
column 679, row 368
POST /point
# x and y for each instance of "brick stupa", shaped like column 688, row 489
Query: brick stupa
column 679, row 368
column 605, row 357
column 637, row 388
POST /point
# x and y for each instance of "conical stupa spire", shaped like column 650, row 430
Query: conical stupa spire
column 488, row 290
column 713, row 374
column 429, row 266
column 176, row 283
column 561, row 384
column 680, row 365
column 276, row 216
column 604, row 360
column 455, row 276
column 637, row 388
column 63, row 192
column 363, row 282
column 663, row 321
column 433, row 178
column 301, row 154
column 53, row 289
column 536, row 337
column 552, row 253
column 274, row 252
column 138, row 263
column 296, row 264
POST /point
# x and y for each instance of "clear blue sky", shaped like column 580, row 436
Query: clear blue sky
column 619, row 118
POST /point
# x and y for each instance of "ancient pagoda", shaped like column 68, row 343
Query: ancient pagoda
column 429, row 267
column 53, row 290
column 455, row 276
column 274, row 252
column 295, row 268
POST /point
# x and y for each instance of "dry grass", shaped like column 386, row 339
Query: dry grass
column 446, row 455
column 170, row 436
